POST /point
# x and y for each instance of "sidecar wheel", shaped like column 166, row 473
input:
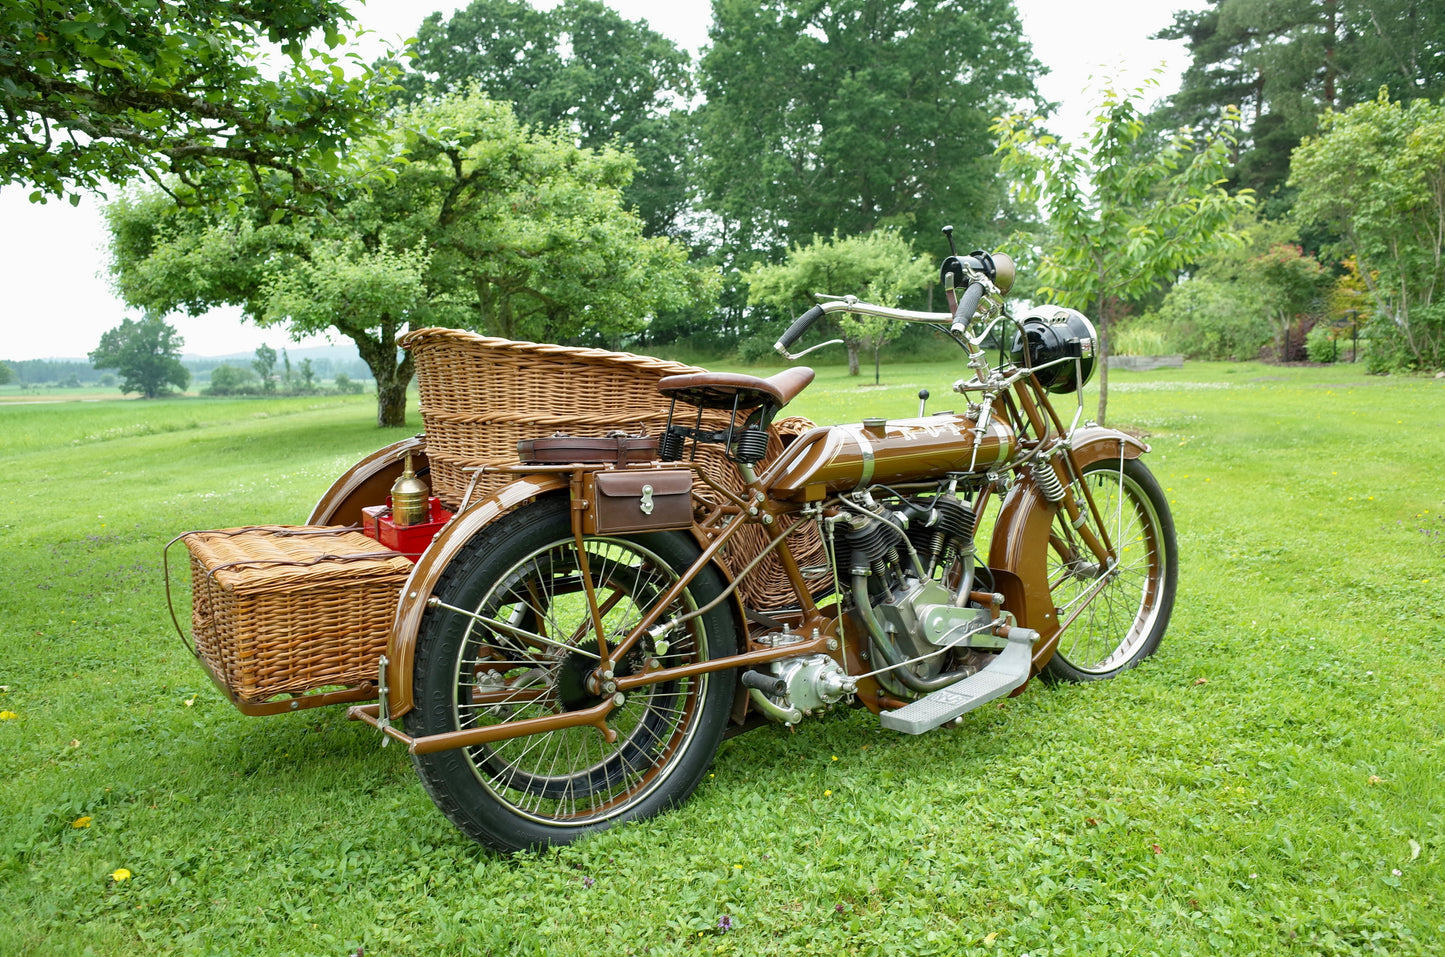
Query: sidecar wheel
column 1124, row 623
column 555, row 786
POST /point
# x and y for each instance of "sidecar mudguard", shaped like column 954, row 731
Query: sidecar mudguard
column 368, row 482
column 1019, row 549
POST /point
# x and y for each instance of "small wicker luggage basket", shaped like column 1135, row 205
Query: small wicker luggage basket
column 481, row 395
column 289, row 610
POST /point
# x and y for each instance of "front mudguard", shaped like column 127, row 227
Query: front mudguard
column 1019, row 549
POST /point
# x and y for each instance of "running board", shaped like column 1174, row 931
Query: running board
column 1007, row 671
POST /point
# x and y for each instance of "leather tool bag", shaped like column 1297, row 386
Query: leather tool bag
column 637, row 500
column 618, row 449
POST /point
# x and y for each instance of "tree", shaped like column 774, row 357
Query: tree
column 7, row 374
column 1120, row 221
column 1293, row 283
column 1375, row 176
column 1282, row 62
column 231, row 380
column 486, row 225
column 580, row 67
column 879, row 267
column 147, row 354
column 105, row 90
column 1224, row 308
column 848, row 115
column 265, row 366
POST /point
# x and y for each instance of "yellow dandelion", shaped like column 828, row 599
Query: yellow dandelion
column 827, row 793
column 83, row 821
column 8, row 715
column 120, row 874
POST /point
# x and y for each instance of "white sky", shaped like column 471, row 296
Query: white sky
column 55, row 299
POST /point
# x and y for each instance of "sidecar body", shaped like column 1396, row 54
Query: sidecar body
column 292, row 617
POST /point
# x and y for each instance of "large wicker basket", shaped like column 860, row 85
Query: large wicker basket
column 287, row 610
column 480, row 396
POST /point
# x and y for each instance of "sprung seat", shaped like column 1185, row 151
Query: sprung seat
column 733, row 390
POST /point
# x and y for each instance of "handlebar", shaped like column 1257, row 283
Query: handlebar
column 989, row 274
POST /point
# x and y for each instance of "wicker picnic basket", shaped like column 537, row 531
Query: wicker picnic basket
column 287, row 610
column 481, row 395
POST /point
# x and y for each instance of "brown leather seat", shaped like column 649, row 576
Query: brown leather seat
column 717, row 390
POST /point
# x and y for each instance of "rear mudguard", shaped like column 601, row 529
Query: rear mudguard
column 1020, row 545
column 401, row 645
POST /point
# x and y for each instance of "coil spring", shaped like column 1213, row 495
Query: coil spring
column 670, row 446
column 1048, row 482
column 751, row 446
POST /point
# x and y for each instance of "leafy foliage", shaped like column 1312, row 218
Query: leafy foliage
column 1284, row 61
column 484, row 224
column 579, row 67
column 147, row 354
column 876, row 267
column 232, row 380
column 1120, row 220
column 1291, row 283
column 105, row 90
column 1375, row 176
column 848, row 115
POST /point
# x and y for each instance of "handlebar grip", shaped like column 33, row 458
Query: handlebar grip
column 800, row 325
column 967, row 306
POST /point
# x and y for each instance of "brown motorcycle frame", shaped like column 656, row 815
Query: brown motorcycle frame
column 1018, row 555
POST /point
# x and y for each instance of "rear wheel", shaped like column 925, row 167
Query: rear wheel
column 1126, row 607
column 523, row 646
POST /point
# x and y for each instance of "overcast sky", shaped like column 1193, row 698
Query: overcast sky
column 55, row 300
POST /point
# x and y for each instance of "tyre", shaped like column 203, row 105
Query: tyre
column 522, row 575
column 1126, row 619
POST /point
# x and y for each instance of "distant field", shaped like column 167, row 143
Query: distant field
column 1269, row 783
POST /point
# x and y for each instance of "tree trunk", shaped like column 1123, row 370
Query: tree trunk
column 852, row 357
column 1101, row 354
column 392, row 377
column 390, row 403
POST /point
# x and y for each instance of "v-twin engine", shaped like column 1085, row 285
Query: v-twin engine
column 911, row 568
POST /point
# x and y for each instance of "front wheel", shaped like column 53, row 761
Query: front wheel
column 523, row 645
column 1126, row 607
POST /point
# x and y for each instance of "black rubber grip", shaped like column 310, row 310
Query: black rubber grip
column 800, row 325
column 967, row 305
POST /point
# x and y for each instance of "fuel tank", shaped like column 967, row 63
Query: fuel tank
column 840, row 458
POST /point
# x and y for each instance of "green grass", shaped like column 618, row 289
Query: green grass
column 1269, row 783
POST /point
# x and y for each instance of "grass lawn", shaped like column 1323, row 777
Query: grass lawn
column 1272, row 782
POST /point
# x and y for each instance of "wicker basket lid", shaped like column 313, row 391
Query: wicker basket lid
column 291, row 557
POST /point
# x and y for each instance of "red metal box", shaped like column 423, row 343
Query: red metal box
column 410, row 540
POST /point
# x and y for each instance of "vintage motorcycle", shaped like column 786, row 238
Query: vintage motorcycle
column 570, row 649
column 581, row 654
